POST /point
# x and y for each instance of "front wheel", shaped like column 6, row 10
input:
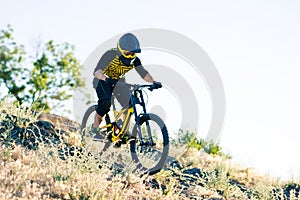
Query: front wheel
column 150, row 146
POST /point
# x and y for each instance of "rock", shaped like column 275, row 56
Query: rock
column 292, row 187
column 61, row 122
column 46, row 125
column 153, row 183
column 31, row 136
column 175, row 164
column 192, row 171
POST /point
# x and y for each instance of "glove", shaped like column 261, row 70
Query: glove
column 155, row 85
column 110, row 81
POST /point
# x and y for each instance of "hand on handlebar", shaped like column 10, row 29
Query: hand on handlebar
column 155, row 85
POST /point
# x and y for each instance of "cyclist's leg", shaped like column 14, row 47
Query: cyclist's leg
column 104, row 93
column 122, row 94
column 97, row 120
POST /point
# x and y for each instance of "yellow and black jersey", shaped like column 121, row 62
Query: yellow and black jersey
column 115, row 67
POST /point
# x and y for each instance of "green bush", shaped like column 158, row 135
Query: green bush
column 192, row 141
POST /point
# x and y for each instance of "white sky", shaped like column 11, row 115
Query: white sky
column 254, row 44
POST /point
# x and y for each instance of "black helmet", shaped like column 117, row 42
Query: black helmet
column 129, row 43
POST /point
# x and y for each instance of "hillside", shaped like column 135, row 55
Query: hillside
column 41, row 158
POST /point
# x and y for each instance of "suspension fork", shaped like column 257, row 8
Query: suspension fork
column 135, row 101
column 149, row 132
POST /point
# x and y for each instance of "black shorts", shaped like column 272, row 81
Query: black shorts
column 104, row 93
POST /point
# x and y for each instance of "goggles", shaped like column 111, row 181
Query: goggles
column 126, row 54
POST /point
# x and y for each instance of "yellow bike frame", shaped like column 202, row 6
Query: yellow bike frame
column 116, row 133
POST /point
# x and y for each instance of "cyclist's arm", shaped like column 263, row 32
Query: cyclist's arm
column 99, row 75
column 104, row 62
column 142, row 71
column 149, row 78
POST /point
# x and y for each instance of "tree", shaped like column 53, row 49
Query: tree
column 44, row 81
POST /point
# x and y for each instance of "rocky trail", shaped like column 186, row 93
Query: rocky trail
column 54, row 130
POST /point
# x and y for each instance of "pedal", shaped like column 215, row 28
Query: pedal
column 117, row 143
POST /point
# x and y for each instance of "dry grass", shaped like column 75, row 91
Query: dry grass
column 42, row 174
column 30, row 175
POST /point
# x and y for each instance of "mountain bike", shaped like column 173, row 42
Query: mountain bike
column 148, row 140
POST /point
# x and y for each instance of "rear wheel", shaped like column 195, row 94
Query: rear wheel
column 150, row 148
column 86, row 127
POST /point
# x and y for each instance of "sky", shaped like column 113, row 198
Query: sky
column 254, row 45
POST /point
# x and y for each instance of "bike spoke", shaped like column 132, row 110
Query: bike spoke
column 151, row 148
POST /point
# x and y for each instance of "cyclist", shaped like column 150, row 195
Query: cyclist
column 110, row 69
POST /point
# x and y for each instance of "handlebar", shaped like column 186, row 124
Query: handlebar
column 137, row 86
